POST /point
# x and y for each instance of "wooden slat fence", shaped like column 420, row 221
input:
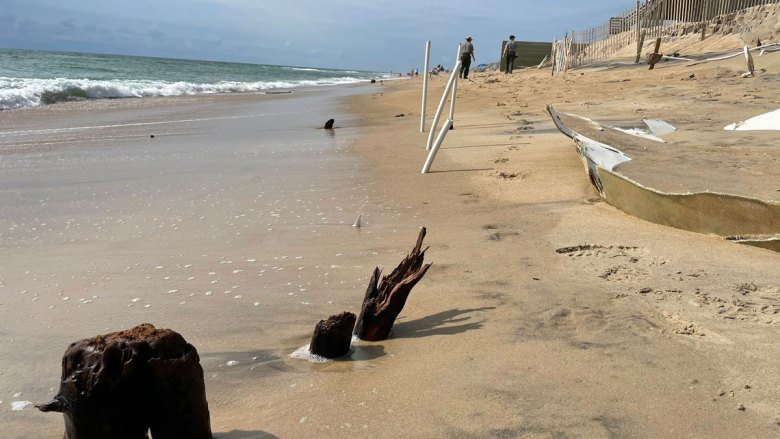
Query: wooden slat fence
column 650, row 19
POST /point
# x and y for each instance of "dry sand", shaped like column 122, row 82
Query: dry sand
column 547, row 312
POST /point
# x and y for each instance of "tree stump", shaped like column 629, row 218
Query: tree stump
column 384, row 300
column 123, row 384
column 333, row 337
column 655, row 57
column 329, row 124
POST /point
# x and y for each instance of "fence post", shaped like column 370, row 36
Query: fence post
column 638, row 32
column 454, row 90
column 425, row 84
column 453, row 78
column 435, row 148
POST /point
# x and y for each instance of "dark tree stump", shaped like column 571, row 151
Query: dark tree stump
column 123, row 384
column 329, row 124
column 384, row 301
column 333, row 337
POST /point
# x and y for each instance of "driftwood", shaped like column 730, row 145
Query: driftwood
column 123, row 384
column 333, row 337
column 384, row 301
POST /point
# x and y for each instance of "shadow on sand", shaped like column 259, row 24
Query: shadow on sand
column 239, row 434
column 462, row 170
column 444, row 323
column 364, row 352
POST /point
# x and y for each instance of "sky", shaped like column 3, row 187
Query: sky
column 373, row 35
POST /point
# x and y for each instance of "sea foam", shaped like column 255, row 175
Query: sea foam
column 29, row 92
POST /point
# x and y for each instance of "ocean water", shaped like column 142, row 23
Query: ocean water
column 227, row 219
column 32, row 78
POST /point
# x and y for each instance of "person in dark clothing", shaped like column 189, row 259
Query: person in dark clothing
column 510, row 53
column 466, row 55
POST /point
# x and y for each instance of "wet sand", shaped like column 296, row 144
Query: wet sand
column 232, row 225
column 547, row 313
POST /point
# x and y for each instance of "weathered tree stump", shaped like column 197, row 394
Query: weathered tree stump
column 123, row 384
column 384, row 300
column 329, row 124
column 333, row 337
column 655, row 57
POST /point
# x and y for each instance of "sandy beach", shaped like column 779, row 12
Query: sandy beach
column 548, row 313
column 575, row 319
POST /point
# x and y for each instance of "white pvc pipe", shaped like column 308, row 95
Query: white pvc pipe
column 454, row 89
column 443, row 101
column 435, row 149
column 425, row 84
column 452, row 99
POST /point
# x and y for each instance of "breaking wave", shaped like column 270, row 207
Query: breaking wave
column 29, row 92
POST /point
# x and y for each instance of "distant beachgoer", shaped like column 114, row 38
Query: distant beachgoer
column 510, row 53
column 466, row 55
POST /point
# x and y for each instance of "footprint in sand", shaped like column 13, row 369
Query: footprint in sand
column 580, row 323
column 508, row 175
column 469, row 198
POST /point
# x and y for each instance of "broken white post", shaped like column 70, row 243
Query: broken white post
column 425, row 84
column 435, row 149
column 749, row 59
column 543, row 61
column 443, row 101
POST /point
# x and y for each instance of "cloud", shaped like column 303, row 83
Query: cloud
column 361, row 34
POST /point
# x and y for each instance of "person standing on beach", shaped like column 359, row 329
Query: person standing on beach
column 510, row 53
column 466, row 55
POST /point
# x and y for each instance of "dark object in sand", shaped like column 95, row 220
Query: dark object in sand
column 329, row 124
column 373, row 81
column 655, row 57
column 384, row 301
column 333, row 337
column 123, row 384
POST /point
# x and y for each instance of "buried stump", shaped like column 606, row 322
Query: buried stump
column 333, row 337
column 123, row 384
column 384, row 300
column 329, row 124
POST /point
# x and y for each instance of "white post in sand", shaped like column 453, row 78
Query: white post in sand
column 425, row 84
column 454, row 90
column 443, row 101
column 435, row 149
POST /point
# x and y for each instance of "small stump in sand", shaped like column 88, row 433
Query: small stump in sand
column 384, row 300
column 329, row 124
column 653, row 59
column 123, row 384
column 333, row 337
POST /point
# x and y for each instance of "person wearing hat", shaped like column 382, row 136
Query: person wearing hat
column 466, row 55
column 510, row 53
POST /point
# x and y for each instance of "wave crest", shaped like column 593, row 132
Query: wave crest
column 27, row 92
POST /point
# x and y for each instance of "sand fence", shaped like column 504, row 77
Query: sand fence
column 631, row 32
